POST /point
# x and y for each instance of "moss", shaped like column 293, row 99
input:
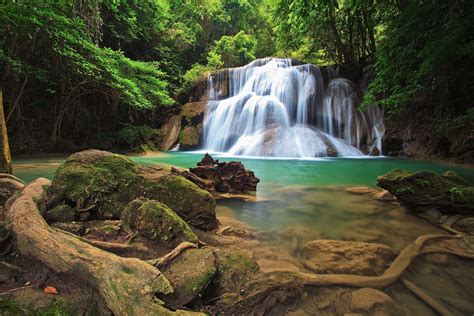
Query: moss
column 233, row 270
column 419, row 191
column 61, row 213
column 10, row 306
column 189, row 136
column 105, row 185
column 158, row 222
column 194, row 205
column 198, row 284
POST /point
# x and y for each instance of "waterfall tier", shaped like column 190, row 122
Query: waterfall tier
column 276, row 107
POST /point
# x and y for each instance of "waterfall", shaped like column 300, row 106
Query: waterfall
column 277, row 107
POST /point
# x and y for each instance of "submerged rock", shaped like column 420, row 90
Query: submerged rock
column 9, row 185
column 420, row 191
column 189, row 274
column 157, row 222
column 99, row 184
column 349, row 257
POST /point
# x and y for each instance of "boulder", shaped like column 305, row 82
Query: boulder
column 170, row 131
column 189, row 274
column 9, row 185
column 193, row 113
column 194, row 205
column 99, row 184
column 234, row 269
column 189, row 137
column 157, row 222
column 420, row 191
column 347, row 257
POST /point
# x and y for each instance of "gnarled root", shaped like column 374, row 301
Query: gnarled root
column 423, row 244
column 127, row 285
column 159, row 262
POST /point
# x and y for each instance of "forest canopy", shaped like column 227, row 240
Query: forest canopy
column 74, row 72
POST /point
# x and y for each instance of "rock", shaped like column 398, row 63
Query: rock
column 61, row 213
column 420, row 191
column 260, row 295
column 370, row 301
column 157, row 222
column 392, row 145
column 9, row 185
column 234, row 269
column 384, row 195
column 189, row 137
column 374, row 152
column 194, row 205
column 189, row 273
column 98, row 185
column 465, row 225
column 360, row 190
column 170, row 131
column 193, row 113
column 349, row 257
column 97, row 182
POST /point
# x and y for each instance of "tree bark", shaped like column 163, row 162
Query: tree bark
column 5, row 158
column 127, row 285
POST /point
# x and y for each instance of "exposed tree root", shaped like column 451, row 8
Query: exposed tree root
column 423, row 244
column 159, row 262
column 431, row 302
column 127, row 285
column 137, row 249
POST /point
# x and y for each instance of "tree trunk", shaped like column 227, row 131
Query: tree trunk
column 127, row 285
column 5, row 158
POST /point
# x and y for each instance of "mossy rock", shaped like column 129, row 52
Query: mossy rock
column 190, row 273
column 195, row 205
column 421, row 191
column 156, row 221
column 189, row 137
column 61, row 213
column 99, row 184
column 234, row 269
column 193, row 113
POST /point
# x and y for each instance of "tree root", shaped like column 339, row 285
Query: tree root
column 431, row 302
column 159, row 262
column 119, row 249
column 127, row 285
column 445, row 244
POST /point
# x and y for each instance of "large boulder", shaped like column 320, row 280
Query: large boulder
column 348, row 257
column 189, row 137
column 9, row 185
column 170, row 131
column 189, row 274
column 192, row 121
column 194, row 205
column 157, row 222
column 99, row 184
column 421, row 191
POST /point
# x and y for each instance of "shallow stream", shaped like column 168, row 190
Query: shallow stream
column 302, row 200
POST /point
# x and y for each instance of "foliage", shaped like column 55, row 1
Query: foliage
column 426, row 54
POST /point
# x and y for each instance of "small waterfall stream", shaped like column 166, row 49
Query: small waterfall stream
column 275, row 107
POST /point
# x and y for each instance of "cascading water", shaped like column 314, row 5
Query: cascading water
column 273, row 107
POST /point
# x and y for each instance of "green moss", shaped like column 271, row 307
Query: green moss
column 156, row 221
column 198, row 284
column 106, row 184
column 194, row 205
column 9, row 306
column 61, row 213
column 189, row 136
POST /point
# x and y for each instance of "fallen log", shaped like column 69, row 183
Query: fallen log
column 128, row 286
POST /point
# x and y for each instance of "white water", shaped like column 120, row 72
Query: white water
column 274, row 108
